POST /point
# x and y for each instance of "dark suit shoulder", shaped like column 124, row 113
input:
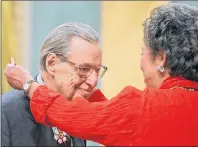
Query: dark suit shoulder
column 13, row 98
column 14, row 102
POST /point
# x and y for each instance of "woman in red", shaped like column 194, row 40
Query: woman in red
column 164, row 113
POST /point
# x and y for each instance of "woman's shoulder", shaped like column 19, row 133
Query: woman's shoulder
column 156, row 93
column 164, row 100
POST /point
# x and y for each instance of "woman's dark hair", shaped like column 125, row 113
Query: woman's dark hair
column 173, row 29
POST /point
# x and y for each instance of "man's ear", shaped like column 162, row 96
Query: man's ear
column 51, row 61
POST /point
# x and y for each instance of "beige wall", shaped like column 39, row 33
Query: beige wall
column 122, row 39
column 14, row 36
column 9, row 39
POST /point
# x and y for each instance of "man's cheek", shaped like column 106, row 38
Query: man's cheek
column 77, row 81
column 71, row 77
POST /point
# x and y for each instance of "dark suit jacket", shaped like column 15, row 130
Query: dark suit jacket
column 19, row 127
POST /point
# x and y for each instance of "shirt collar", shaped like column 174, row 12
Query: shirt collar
column 39, row 79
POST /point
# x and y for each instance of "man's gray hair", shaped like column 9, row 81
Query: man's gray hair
column 58, row 40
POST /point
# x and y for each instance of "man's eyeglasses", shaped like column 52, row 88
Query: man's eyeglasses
column 85, row 71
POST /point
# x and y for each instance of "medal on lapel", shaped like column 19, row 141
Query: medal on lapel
column 59, row 135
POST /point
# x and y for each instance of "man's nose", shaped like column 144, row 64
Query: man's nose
column 92, row 79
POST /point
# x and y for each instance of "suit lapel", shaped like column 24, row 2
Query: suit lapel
column 43, row 136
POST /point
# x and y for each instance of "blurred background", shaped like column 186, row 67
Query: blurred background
column 25, row 24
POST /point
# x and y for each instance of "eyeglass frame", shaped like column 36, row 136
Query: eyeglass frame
column 79, row 67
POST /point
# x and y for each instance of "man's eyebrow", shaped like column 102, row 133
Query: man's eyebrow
column 86, row 64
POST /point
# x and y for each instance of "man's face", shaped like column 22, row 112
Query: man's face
column 66, row 75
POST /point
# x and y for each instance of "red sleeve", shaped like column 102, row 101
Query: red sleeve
column 131, row 118
column 104, row 122
column 97, row 96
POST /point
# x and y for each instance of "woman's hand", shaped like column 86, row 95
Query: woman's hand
column 16, row 75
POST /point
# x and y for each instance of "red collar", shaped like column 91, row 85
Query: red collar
column 171, row 82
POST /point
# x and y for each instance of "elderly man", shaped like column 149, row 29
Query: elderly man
column 70, row 60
